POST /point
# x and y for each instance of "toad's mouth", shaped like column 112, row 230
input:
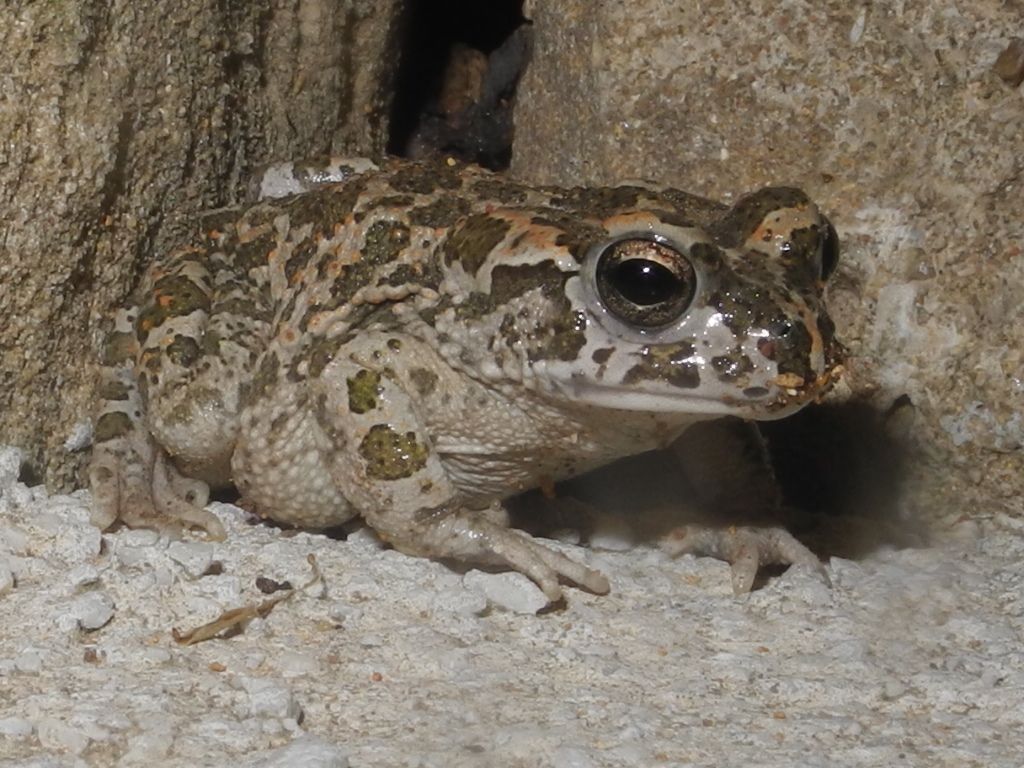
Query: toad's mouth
column 776, row 398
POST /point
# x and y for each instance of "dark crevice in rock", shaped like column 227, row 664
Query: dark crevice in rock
column 460, row 63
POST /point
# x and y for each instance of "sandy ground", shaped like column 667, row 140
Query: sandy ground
column 911, row 657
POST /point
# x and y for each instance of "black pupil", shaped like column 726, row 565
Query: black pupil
column 645, row 282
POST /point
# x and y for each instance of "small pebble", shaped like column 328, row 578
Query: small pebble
column 15, row 727
column 295, row 664
column 89, row 612
column 268, row 698
column 83, row 575
column 194, row 557
column 30, row 662
column 57, row 735
column 512, row 591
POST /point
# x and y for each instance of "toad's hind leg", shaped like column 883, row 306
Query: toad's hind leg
column 131, row 479
column 170, row 392
column 386, row 464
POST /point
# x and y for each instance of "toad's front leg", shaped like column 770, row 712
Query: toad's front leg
column 385, row 462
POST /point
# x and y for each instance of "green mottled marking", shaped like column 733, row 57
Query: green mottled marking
column 252, row 254
column 498, row 189
column 183, row 351
column 173, row 296
column 363, row 390
column 732, row 366
column 441, row 213
column 425, row 273
column 668, row 363
column 425, row 178
column 599, row 202
column 325, row 208
column 119, row 348
column 791, row 354
column 384, row 241
column 424, row 380
column 472, row 242
column 110, row 426
column 112, row 389
column 561, row 337
column 390, row 455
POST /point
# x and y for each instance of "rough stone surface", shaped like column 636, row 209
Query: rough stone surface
column 117, row 116
column 893, row 118
column 912, row 657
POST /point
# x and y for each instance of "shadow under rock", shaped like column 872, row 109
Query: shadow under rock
column 839, row 468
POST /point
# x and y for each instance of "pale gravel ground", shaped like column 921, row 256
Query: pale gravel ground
column 913, row 657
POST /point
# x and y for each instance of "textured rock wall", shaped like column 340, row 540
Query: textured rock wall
column 116, row 119
column 892, row 117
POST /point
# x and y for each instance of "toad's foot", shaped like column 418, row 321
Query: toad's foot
column 745, row 548
column 151, row 493
column 473, row 536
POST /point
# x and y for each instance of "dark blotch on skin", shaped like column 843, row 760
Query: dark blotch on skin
column 441, row 213
column 319, row 353
column 801, row 260
column 390, row 455
column 666, row 363
column 253, row 252
column 299, row 259
column 732, row 366
column 599, row 202
column 324, row 208
column 384, row 241
column 173, row 296
column 472, row 242
column 601, row 356
column 424, row 380
column 575, row 234
column 746, row 216
column 183, row 351
column 498, row 189
column 792, row 353
column 110, row 426
column 424, row 178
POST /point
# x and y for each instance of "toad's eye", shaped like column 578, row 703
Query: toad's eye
column 644, row 283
